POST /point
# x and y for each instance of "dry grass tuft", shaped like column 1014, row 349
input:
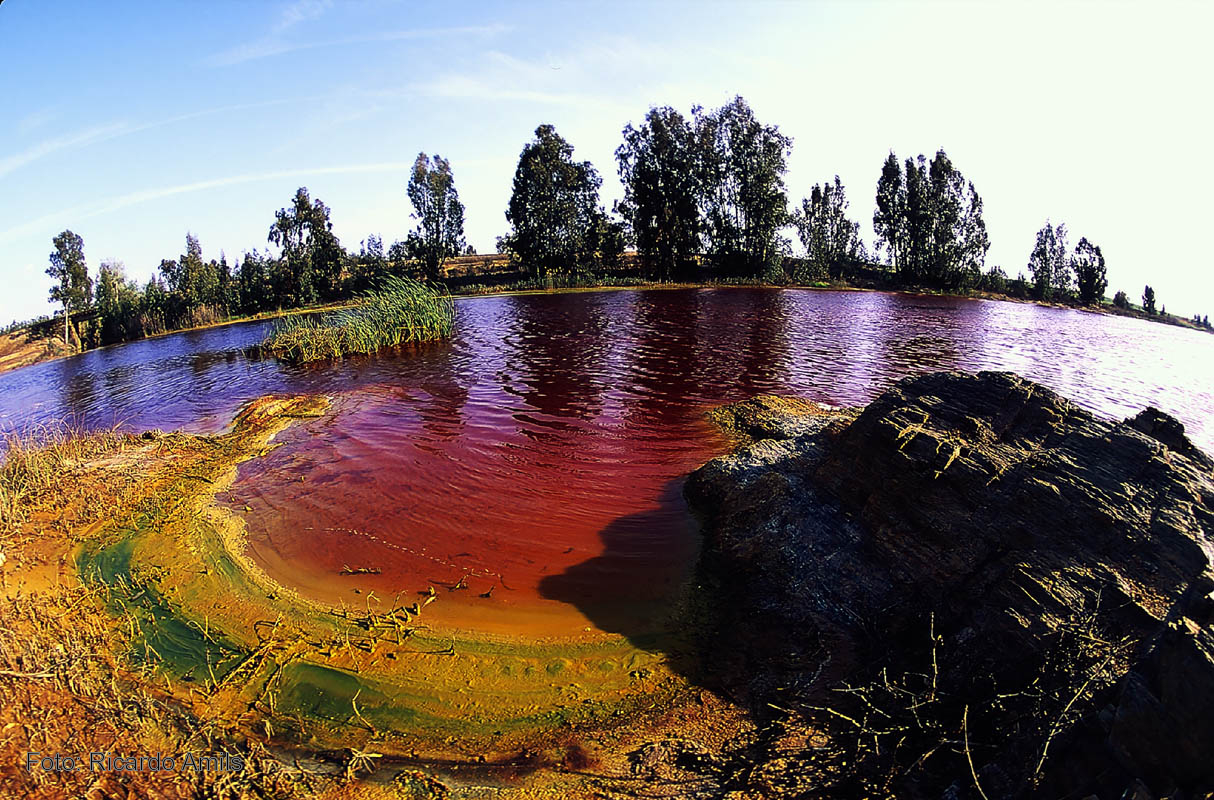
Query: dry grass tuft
column 63, row 690
column 40, row 462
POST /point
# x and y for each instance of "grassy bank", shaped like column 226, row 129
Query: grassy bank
column 400, row 311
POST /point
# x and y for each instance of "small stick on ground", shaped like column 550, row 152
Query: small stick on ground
column 346, row 569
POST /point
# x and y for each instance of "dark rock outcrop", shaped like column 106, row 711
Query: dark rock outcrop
column 1016, row 522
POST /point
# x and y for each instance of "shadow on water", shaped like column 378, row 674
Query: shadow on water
column 657, row 611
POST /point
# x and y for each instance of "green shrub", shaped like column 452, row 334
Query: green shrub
column 401, row 310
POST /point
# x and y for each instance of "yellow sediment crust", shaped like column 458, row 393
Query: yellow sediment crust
column 214, row 630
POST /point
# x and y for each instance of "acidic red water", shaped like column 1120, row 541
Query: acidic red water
column 539, row 454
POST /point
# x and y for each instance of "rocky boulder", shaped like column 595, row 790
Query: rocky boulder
column 1020, row 525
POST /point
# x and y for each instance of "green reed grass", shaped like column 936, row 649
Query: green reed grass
column 401, row 310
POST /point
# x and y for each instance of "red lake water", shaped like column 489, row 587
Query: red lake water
column 535, row 462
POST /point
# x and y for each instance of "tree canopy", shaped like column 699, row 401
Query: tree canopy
column 743, row 196
column 1048, row 262
column 929, row 217
column 552, row 208
column 1148, row 300
column 831, row 240
column 1090, row 276
column 72, row 285
column 312, row 253
column 659, row 165
column 117, row 304
column 440, row 231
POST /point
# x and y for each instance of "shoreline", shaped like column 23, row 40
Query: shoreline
column 162, row 566
column 129, row 537
column 45, row 344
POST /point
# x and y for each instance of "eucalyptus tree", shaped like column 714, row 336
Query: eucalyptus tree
column 831, row 240
column 743, row 197
column 958, row 237
column 1148, row 300
column 930, row 219
column 254, row 283
column 311, row 253
column 370, row 264
column 154, row 307
column 1090, row 275
column 659, row 165
column 889, row 219
column 440, row 215
column 553, row 205
column 1048, row 262
column 72, row 287
column 117, row 304
column 918, row 223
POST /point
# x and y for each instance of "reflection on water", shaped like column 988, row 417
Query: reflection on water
column 553, row 422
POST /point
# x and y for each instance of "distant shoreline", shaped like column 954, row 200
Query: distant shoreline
column 14, row 355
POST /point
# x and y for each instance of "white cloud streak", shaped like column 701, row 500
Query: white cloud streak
column 104, row 133
column 37, row 119
column 87, row 211
column 88, row 136
column 274, row 45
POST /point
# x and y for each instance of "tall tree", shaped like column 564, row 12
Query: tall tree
column 440, row 231
column 1148, row 300
column 1048, row 262
column 831, row 240
column 117, row 304
column 255, row 290
column 889, row 220
column 312, row 254
column 930, row 219
column 369, row 264
column 975, row 241
column 918, row 224
column 154, row 308
column 742, row 185
column 659, row 167
column 959, row 241
column 553, row 205
column 196, row 280
column 73, row 287
column 1090, row 275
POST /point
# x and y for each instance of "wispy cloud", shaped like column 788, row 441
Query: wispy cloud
column 548, row 80
column 36, row 119
column 467, row 87
column 103, row 133
column 96, row 133
column 81, row 212
column 275, row 44
column 301, row 11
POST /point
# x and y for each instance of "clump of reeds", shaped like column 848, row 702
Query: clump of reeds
column 401, row 310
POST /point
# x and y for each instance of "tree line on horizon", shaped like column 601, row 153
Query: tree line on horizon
column 704, row 196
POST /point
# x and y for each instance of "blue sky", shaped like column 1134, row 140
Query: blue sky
column 133, row 123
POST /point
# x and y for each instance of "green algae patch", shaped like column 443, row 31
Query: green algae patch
column 206, row 624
